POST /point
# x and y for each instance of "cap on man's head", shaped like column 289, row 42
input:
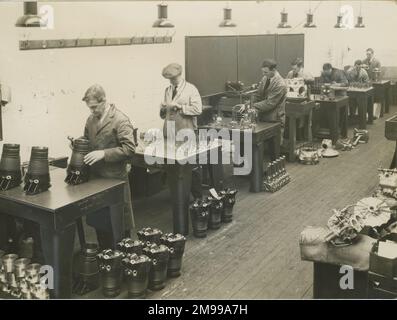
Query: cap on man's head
column 327, row 66
column 269, row 63
column 172, row 70
column 358, row 63
column 95, row 92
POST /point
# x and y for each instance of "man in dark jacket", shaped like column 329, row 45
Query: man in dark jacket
column 371, row 64
column 111, row 138
column 333, row 76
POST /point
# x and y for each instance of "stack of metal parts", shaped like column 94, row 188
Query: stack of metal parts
column 276, row 175
column 10, row 167
column 37, row 178
column 345, row 224
column 141, row 264
column 20, row 279
column 78, row 171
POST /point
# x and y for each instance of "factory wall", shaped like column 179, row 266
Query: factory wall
column 47, row 85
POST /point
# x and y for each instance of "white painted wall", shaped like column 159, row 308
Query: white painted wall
column 47, row 85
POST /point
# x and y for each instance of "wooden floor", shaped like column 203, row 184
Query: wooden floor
column 257, row 256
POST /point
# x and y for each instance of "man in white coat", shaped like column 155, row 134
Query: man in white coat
column 181, row 105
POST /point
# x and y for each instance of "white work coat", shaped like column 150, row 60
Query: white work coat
column 189, row 98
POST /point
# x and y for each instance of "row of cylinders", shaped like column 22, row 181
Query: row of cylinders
column 143, row 264
column 37, row 177
column 276, row 175
column 210, row 212
column 20, row 278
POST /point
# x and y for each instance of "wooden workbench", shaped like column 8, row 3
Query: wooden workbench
column 334, row 110
column 365, row 104
column 294, row 111
column 57, row 210
column 264, row 132
column 179, row 174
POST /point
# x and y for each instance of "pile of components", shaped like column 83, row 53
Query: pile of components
column 20, row 278
column 142, row 264
column 243, row 120
column 276, row 175
column 346, row 224
column 208, row 213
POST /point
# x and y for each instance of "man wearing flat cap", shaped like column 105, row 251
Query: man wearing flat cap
column 181, row 105
column 110, row 133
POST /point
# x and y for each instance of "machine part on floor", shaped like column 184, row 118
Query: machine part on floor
column 78, row 171
column 87, row 279
column 111, row 272
column 37, row 178
column 26, row 248
column 344, row 145
column 159, row 254
column 32, row 272
column 216, row 211
column 8, row 262
column 199, row 213
column 328, row 149
column 308, row 154
column 360, row 136
column 229, row 200
column 150, row 235
column 176, row 245
column 388, row 182
column 375, row 212
column 20, row 267
column 10, row 167
column 136, row 273
column 129, row 246
column 276, row 175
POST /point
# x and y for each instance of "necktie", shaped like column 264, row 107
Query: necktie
column 174, row 92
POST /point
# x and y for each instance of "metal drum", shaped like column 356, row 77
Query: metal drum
column 10, row 167
column 159, row 254
column 136, row 272
column 176, row 245
column 111, row 272
column 78, row 171
column 199, row 213
column 37, row 178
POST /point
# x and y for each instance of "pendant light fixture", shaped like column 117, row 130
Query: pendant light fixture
column 30, row 17
column 227, row 18
column 339, row 23
column 284, row 20
column 309, row 20
column 360, row 23
column 162, row 13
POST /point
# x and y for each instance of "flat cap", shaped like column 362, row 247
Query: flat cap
column 95, row 92
column 172, row 70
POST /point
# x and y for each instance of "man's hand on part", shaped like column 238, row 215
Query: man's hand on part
column 94, row 156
